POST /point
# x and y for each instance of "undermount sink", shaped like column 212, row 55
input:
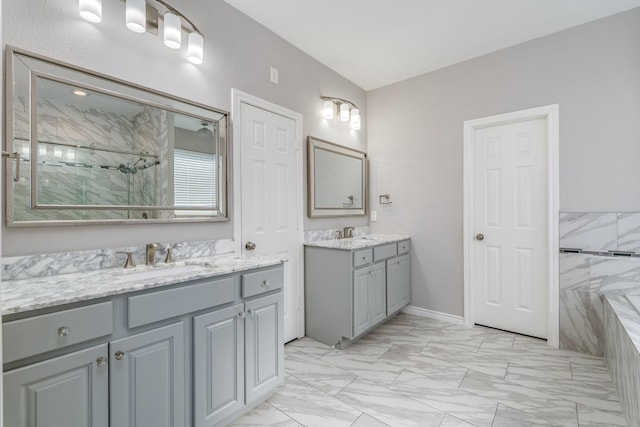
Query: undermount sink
column 160, row 270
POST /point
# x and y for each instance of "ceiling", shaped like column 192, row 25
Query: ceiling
column 374, row 43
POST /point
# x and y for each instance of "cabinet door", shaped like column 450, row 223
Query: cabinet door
column 218, row 370
column 398, row 283
column 69, row 391
column 361, row 301
column 146, row 374
column 264, row 346
column 378, row 286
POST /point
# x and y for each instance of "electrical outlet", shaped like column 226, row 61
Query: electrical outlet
column 374, row 216
column 274, row 75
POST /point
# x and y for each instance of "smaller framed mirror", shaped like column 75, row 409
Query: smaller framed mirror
column 337, row 179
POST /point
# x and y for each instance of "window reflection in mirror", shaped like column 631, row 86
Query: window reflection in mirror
column 106, row 151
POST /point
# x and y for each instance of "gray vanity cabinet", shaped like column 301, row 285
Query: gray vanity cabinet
column 369, row 297
column 218, row 383
column 69, row 390
column 146, row 373
column 398, row 283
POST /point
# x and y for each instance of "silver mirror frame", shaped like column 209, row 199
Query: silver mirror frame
column 314, row 211
column 140, row 93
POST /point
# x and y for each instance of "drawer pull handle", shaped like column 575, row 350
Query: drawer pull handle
column 265, row 284
column 63, row 331
column 119, row 355
column 101, row 361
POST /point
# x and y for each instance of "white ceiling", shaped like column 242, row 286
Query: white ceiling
column 374, row 43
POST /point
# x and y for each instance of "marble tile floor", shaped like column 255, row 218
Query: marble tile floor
column 414, row 371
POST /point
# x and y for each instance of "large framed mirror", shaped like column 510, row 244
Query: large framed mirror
column 337, row 179
column 93, row 149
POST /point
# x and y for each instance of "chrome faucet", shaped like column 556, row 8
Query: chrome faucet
column 348, row 232
column 150, row 255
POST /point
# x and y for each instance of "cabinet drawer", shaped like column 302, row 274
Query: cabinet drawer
column 362, row 257
column 39, row 334
column 385, row 251
column 161, row 305
column 261, row 282
column 403, row 247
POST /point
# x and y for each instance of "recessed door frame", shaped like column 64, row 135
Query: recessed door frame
column 550, row 114
column 237, row 98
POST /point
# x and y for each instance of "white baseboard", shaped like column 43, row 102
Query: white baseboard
column 423, row 312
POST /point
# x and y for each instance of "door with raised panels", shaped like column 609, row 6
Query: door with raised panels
column 71, row 390
column 511, row 227
column 147, row 378
column 270, row 205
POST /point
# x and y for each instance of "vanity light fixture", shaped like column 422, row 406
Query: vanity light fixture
column 91, row 10
column 347, row 110
column 142, row 17
column 80, row 92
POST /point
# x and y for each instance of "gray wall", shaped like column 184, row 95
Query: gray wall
column 238, row 54
column 415, row 138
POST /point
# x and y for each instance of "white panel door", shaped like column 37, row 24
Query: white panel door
column 511, row 227
column 270, row 205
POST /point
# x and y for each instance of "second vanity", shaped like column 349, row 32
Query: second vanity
column 180, row 345
column 353, row 285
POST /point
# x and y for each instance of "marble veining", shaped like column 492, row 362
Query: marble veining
column 589, row 231
column 359, row 242
column 24, row 267
column 332, row 233
column 22, row 295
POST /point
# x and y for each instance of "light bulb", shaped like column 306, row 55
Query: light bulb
column 327, row 111
column 344, row 112
column 355, row 119
column 137, row 15
column 91, row 10
column 195, row 50
column 172, row 30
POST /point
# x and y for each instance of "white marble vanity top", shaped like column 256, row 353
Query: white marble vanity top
column 22, row 295
column 359, row 242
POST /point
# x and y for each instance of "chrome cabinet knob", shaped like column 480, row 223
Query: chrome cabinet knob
column 101, row 361
column 242, row 315
column 250, row 312
column 63, row 331
column 119, row 355
column 250, row 246
column 265, row 284
column 479, row 236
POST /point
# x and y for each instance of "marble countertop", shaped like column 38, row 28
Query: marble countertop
column 359, row 242
column 41, row 292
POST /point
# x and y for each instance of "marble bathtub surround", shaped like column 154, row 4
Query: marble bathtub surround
column 584, row 279
column 30, row 266
column 414, row 371
column 332, row 233
column 622, row 352
column 600, row 231
column 22, row 295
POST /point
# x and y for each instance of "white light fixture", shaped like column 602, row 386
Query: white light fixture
column 142, row 17
column 136, row 11
column 80, row 92
column 91, row 10
column 327, row 110
column 344, row 112
column 172, row 30
column 195, row 51
column 355, row 119
column 347, row 110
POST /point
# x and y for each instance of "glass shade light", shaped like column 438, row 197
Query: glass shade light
column 355, row 119
column 327, row 110
column 172, row 30
column 344, row 112
column 91, row 10
column 195, row 51
column 137, row 15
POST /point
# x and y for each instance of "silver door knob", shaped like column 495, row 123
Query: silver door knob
column 63, row 331
column 101, row 361
column 119, row 355
column 250, row 246
column 479, row 236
